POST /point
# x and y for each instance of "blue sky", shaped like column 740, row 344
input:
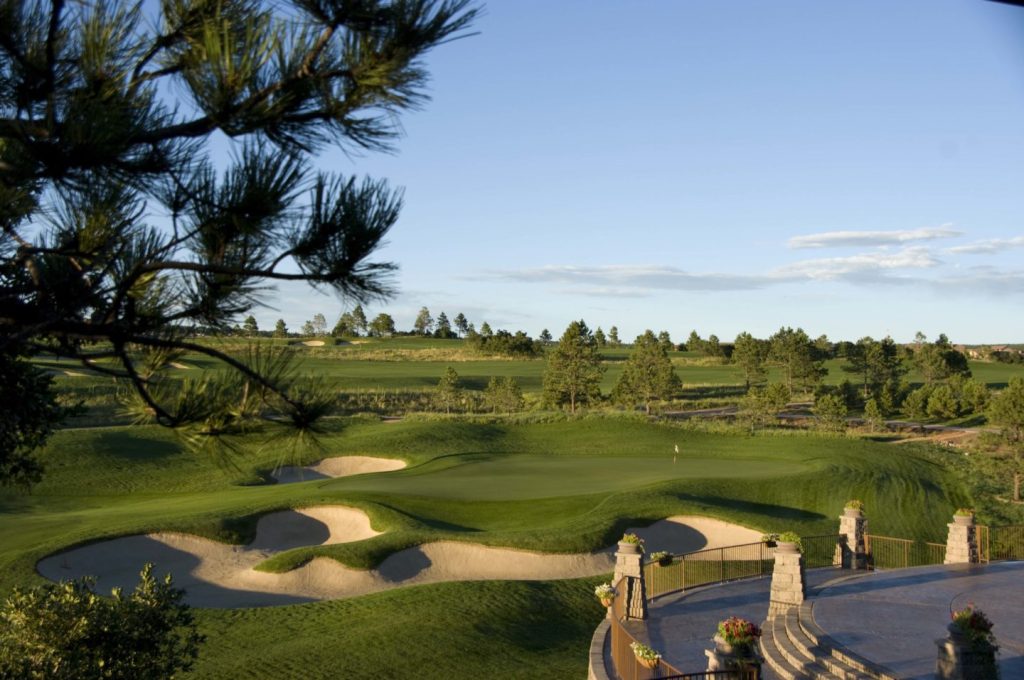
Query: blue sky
column 853, row 168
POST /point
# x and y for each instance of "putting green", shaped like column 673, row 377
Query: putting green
column 525, row 476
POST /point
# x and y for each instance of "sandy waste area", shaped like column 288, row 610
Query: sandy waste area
column 219, row 575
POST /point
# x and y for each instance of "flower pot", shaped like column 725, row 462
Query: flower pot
column 628, row 548
column 606, row 601
column 786, row 547
column 964, row 520
column 648, row 663
column 665, row 562
column 853, row 512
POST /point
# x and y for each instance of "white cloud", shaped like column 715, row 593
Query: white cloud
column 618, row 277
column 917, row 257
column 987, row 247
column 834, row 239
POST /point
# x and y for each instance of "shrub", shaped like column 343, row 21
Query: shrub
column 65, row 631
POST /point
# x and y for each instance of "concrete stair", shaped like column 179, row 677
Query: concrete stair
column 794, row 648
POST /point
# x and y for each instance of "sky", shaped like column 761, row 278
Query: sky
column 719, row 165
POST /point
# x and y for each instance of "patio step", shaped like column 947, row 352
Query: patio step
column 784, row 658
column 821, row 640
column 821, row 654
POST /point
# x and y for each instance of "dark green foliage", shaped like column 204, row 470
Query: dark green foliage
column 382, row 326
column 873, row 415
column 761, row 404
column 574, row 370
column 280, row 329
column 798, row 357
column 648, row 375
column 1007, row 411
column 66, row 632
column 461, row 324
column 830, row 411
column 503, row 343
column 750, row 354
column 28, row 413
column 600, row 338
column 91, row 147
column 503, row 395
column 249, row 326
column 443, row 327
column 875, row 362
column 448, row 394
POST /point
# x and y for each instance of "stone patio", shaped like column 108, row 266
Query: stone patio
column 891, row 618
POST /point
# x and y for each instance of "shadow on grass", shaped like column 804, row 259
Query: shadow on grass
column 120, row 444
column 764, row 509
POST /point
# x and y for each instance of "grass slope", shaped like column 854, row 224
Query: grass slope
column 556, row 486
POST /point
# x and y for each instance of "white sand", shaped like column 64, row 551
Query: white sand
column 74, row 374
column 342, row 466
column 179, row 365
column 313, row 343
column 218, row 575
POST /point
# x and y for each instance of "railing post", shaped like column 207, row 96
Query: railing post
column 629, row 567
column 852, row 526
column 962, row 541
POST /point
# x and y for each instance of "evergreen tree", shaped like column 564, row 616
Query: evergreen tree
column 359, row 323
column 599, row 337
column 573, row 373
column 830, row 411
column 694, row 343
column 249, row 326
column 1007, row 411
column 613, row 336
column 503, row 395
column 761, row 405
column 382, row 326
column 345, row 327
column 666, row 341
column 750, row 354
column 319, row 324
column 112, row 113
column 795, row 352
column 461, row 324
column 308, row 330
column 648, row 374
column 448, row 394
column 545, row 336
column 442, row 327
column 485, row 330
column 873, row 415
column 280, row 329
column 423, row 323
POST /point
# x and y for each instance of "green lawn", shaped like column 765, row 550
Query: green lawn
column 555, row 486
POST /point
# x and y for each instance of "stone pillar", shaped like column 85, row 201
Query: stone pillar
column 726, row 657
column 962, row 541
column 960, row 660
column 788, row 583
column 628, row 567
column 852, row 553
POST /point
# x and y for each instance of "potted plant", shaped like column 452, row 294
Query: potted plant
column 789, row 541
column 606, row 593
column 770, row 540
column 645, row 654
column 964, row 516
column 631, row 543
column 973, row 627
column 737, row 637
column 853, row 508
column 662, row 557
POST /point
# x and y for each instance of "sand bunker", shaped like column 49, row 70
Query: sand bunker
column 179, row 365
column 342, row 466
column 313, row 343
column 218, row 575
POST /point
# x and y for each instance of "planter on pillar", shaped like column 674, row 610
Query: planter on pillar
column 788, row 582
column 852, row 552
column 961, row 539
column 735, row 647
column 629, row 568
column 969, row 650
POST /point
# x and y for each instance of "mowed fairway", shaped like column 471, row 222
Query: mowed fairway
column 563, row 486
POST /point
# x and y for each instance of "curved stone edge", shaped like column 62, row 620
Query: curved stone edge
column 596, row 669
column 825, row 641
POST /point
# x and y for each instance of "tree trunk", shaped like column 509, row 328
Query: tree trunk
column 1016, row 487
